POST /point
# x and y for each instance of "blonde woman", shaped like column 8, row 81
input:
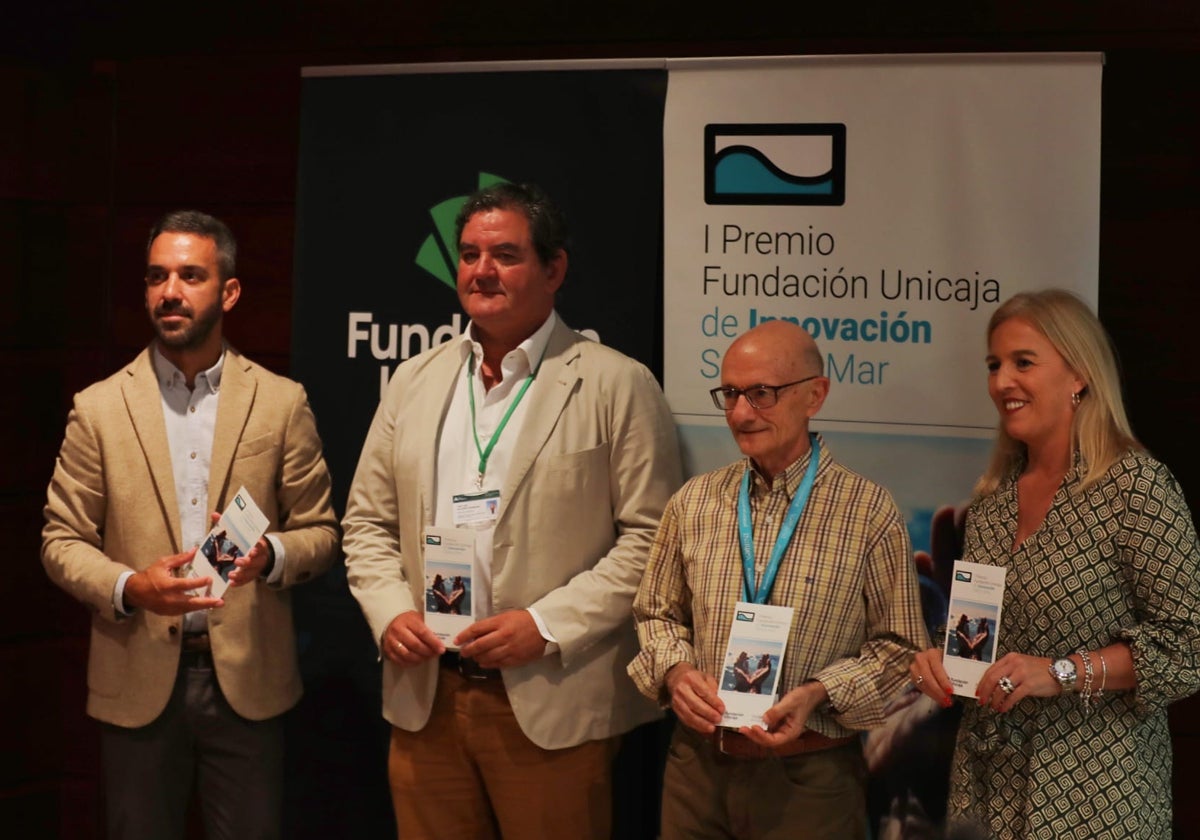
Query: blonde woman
column 1101, row 620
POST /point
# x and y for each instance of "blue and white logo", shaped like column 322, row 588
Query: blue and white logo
column 775, row 163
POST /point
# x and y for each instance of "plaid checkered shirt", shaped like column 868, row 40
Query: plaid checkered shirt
column 848, row 572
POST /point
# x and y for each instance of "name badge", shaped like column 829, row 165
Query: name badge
column 476, row 509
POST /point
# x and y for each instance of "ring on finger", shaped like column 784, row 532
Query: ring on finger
column 1006, row 685
column 920, row 679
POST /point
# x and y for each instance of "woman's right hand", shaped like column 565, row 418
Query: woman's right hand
column 930, row 677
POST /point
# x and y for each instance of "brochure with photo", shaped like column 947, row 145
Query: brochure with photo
column 449, row 570
column 973, row 626
column 753, row 659
column 239, row 528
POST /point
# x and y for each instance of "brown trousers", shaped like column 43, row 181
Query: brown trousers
column 817, row 795
column 471, row 773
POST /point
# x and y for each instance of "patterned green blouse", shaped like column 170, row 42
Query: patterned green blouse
column 1117, row 561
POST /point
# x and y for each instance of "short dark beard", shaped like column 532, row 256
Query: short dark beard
column 191, row 336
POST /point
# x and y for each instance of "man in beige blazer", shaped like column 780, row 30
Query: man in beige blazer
column 189, row 689
column 513, row 733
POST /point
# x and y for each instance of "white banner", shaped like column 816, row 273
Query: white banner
column 887, row 204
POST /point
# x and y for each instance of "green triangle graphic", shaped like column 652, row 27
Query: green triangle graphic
column 443, row 221
column 430, row 256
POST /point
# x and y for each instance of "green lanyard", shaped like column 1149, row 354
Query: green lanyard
column 485, row 454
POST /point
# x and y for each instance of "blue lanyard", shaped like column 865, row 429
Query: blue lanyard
column 786, row 530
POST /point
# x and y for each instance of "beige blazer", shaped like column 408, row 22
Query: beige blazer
column 111, row 508
column 594, row 465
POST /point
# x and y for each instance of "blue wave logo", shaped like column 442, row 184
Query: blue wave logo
column 774, row 163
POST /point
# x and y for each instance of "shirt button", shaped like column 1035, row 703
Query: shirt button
column 192, row 409
column 192, row 456
column 195, row 502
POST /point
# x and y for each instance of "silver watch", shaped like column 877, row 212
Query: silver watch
column 1064, row 671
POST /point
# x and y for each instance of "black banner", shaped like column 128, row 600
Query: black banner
column 385, row 162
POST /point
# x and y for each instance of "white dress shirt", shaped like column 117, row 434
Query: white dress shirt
column 191, row 420
column 458, row 457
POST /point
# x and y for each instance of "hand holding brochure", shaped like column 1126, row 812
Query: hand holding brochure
column 449, row 577
column 750, row 678
column 973, row 628
column 239, row 528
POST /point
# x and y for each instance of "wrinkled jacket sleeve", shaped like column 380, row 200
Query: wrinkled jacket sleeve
column 663, row 612
column 308, row 527
column 76, row 505
column 643, row 471
column 372, row 528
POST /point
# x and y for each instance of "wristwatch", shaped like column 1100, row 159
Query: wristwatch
column 1064, row 671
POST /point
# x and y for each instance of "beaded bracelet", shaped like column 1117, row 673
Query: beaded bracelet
column 1085, row 695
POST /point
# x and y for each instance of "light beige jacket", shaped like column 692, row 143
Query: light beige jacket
column 594, row 464
column 111, row 508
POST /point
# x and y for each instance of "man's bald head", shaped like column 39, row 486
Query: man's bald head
column 787, row 343
column 784, row 358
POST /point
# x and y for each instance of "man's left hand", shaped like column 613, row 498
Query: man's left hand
column 252, row 565
column 507, row 640
column 249, row 567
column 787, row 720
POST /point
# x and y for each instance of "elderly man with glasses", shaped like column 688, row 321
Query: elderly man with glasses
column 786, row 526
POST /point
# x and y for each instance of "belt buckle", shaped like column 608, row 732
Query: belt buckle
column 721, row 741
column 195, row 642
column 470, row 669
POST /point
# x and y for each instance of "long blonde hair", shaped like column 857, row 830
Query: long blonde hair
column 1099, row 429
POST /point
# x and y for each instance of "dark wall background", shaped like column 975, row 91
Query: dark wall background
column 111, row 114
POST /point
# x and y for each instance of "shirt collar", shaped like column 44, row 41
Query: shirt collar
column 532, row 348
column 170, row 376
column 793, row 475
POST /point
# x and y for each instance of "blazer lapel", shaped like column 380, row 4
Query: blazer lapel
column 238, row 388
column 441, row 378
column 143, row 402
column 555, row 381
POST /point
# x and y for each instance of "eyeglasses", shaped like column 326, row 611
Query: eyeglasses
column 759, row 396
